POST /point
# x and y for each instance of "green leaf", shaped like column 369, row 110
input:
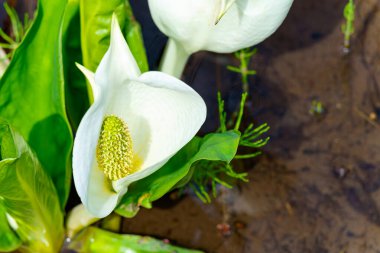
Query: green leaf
column 95, row 240
column 135, row 40
column 77, row 100
column 9, row 241
column 28, row 196
column 96, row 16
column 177, row 171
column 32, row 95
column 95, row 22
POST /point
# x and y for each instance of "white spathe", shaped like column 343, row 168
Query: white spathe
column 221, row 26
column 162, row 113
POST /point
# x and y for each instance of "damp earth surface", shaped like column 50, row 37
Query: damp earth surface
column 316, row 187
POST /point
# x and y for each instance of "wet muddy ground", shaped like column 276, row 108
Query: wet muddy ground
column 316, row 188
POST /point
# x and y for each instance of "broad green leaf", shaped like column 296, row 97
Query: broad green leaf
column 214, row 147
column 9, row 241
column 96, row 16
column 28, row 196
column 95, row 22
column 95, row 240
column 32, row 94
column 135, row 40
column 77, row 100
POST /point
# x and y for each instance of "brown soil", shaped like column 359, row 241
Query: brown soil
column 317, row 186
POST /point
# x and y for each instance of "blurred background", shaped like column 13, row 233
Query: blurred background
column 316, row 187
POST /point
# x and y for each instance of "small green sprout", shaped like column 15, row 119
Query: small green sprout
column 211, row 173
column 348, row 27
column 250, row 135
column 244, row 56
column 316, row 108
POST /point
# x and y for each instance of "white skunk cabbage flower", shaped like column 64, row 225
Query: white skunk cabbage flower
column 135, row 125
column 221, row 26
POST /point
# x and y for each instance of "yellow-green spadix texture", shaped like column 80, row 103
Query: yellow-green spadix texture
column 114, row 153
column 135, row 125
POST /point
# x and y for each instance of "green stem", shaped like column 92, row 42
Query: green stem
column 347, row 34
column 241, row 111
column 248, row 156
column 243, row 70
column 174, row 59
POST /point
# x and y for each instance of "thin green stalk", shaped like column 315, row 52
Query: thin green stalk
column 15, row 21
column 222, row 114
column 348, row 27
column 241, row 111
column 244, row 56
column 248, row 155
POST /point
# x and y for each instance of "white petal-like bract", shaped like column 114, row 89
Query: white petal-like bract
column 160, row 113
column 221, row 26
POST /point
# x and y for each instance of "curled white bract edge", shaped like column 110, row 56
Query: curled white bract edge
column 162, row 114
column 221, row 26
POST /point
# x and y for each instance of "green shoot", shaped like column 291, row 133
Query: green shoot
column 316, row 108
column 348, row 27
column 250, row 136
column 241, row 111
column 250, row 139
column 18, row 31
column 244, row 56
column 209, row 174
column 222, row 114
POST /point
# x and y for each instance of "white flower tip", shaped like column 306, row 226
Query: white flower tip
column 120, row 50
column 91, row 79
column 115, row 22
